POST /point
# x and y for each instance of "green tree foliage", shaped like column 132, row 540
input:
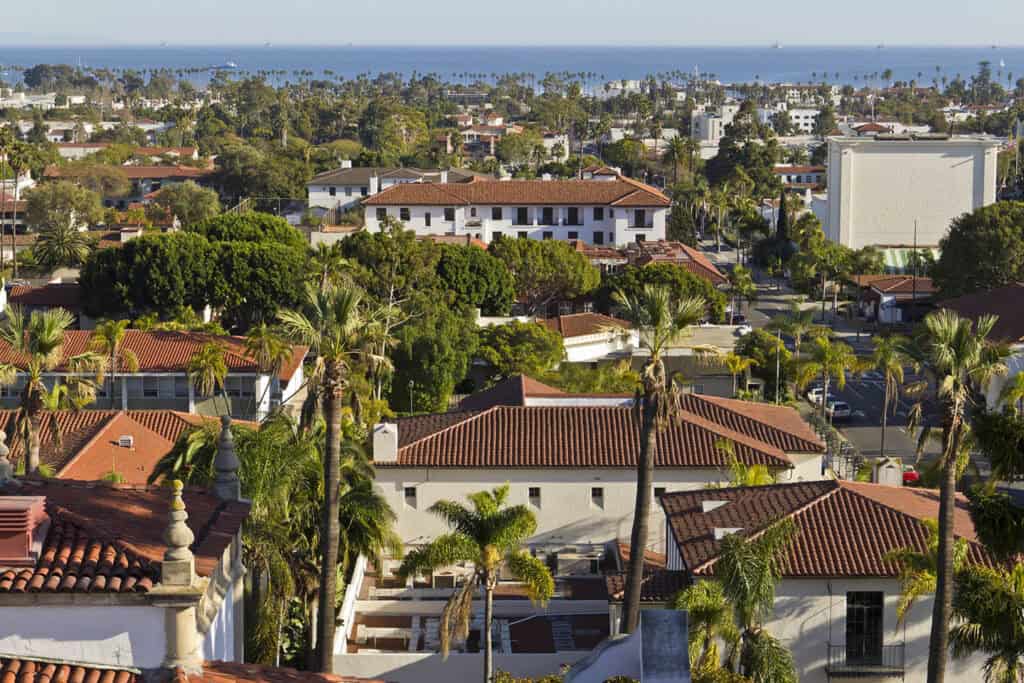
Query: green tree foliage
column 545, row 271
column 255, row 279
column 987, row 607
column 250, row 227
column 392, row 130
column 520, row 148
column 518, row 348
column 266, row 175
column 476, row 278
column 61, row 205
column 433, row 351
column 631, row 280
column 607, row 378
column 191, row 203
column 763, row 348
column 982, row 250
column 825, row 121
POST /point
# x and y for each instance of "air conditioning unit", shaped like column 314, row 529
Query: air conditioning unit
column 126, row 441
column 443, row 581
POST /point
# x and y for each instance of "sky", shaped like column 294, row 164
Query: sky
column 515, row 22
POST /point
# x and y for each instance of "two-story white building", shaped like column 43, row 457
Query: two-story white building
column 613, row 211
column 343, row 188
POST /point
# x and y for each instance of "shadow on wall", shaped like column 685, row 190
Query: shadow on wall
column 657, row 652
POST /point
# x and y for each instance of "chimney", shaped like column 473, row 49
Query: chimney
column 20, row 516
column 385, row 442
column 346, row 163
column 721, row 532
column 226, row 486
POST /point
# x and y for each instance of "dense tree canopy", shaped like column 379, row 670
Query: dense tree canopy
column 520, row 348
column 476, row 278
column 433, row 352
column 631, row 280
column 545, row 271
column 189, row 202
column 982, row 250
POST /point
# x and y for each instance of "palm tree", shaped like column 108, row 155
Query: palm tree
column 328, row 265
column 39, row 340
column 987, row 606
column 961, row 359
column 19, row 158
column 798, row 323
column 489, row 534
column 661, row 321
column 1012, row 393
column 748, row 569
column 62, row 245
column 918, row 569
column 108, row 339
column 736, row 364
column 270, row 351
column 334, row 325
column 740, row 474
column 675, row 153
column 207, row 370
column 710, row 619
column 830, row 361
column 888, row 359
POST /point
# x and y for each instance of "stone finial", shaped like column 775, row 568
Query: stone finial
column 226, row 485
column 6, row 468
column 178, row 567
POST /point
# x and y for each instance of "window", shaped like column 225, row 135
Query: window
column 233, row 387
column 595, row 566
column 597, row 497
column 403, row 214
column 150, row 387
column 364, row 191
column 659, row 491
column 598, row 237
column 495, row 235
column 640, row 218
column 449, row 215
column 547, row 234
column 534, row 495
column 573, row 235
column 495, row 213
column 472, row 212
column 523, row 235
column 382, row 213
column 426, row 219
column 641, row 238
column 348, row 191
column 333, row 191
column 611, row 213
column 598, row 213
column 864, row 627
column 547, row 215
column 181, row 387
column 573, row 216
column 522, row 216
column 410, row 496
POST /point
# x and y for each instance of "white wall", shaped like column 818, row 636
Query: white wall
column 219, row 641
column 1014, row 365
column 594, row 347
column 878, row 188
column 129, row 636
column 421, row 667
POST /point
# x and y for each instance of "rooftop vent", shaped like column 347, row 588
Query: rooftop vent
column 709, row 505
column 20, row 516
column 126, row 441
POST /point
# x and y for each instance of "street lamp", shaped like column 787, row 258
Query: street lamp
column 411, row 407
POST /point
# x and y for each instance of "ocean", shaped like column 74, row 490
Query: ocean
column 729, row 64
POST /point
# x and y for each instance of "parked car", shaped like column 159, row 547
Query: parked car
column 814, row 395
column 739, row 319
column 743, row 330
column 910, row 475
column 838, row 410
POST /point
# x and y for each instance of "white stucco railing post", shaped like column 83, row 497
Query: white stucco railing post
column 348, row 606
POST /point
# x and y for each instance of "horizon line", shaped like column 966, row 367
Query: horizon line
column 625, row 45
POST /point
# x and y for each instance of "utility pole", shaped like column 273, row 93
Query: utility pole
column 913, row 290
column 778, row 352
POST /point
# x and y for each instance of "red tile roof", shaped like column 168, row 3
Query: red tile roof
column 694, row 260
column 844, row 529
column 233, row 672
column 785, row 170
column 1006, row 302
column 568, row 436
column 165, row 351
column 23, row 670
column 583, row 324
column 904, row 284
column 51, row 295
column 779, row 426
column 109, row 539
column 621, row 192
column 659, row 585
column 509, row 392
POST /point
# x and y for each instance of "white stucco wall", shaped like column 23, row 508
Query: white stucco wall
column 129, row 636
column 1014, row 366
column 878, row 188
column 420, row 667
column 219, row 641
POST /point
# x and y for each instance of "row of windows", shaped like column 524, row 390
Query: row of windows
column 597, row 238
column 333, row 191
column 521, row 215
column 533, row 494
column 149, row 387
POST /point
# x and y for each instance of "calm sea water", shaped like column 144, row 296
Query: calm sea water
column 729, row 64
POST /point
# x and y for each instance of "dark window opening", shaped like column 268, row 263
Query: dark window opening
column 864, row 627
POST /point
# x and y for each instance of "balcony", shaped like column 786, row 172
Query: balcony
column 849, row 661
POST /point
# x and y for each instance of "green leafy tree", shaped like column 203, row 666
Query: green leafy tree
column 335, row 325
column 960, row 358
column 39, row 339
column 545, row 271
column 710, row 620
column 742, row 287
column 520, row 348
column 61, row 206
column 829, row 360
column 888, row 359
column 432, row 355
column 768, row 353
column 918, row 569
column 250, row 226
column 189, row 202
column 476, row 278
column 207, row 370
column 631, row 281
column 983, row 250
column 489, row 533
column 661, row 321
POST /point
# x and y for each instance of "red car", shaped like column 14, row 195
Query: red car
column 910, row 475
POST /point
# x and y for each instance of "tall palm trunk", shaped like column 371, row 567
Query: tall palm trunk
column 938, row 643
column 885, row 415
column 14, row 241
column 824, row 398
column 35, row 422
column 642, row 509
column 330, row 524
column 488, row 618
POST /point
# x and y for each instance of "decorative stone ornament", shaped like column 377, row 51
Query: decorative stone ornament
column 178, row 567
column 226, row 485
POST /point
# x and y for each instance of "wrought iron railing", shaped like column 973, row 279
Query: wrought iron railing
column 864, row 660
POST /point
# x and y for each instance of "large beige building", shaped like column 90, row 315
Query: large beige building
column 879, row 186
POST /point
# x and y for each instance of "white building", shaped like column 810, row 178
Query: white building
column 572, row 458
column 708, row 126
column 835, row 607
column 344, row 187
column 879, row 186
column 803, row 118
column 616, row 211
column 591, row 337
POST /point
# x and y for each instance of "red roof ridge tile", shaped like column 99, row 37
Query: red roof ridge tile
column 108, row 424
column 473, row 416
column 730, row 405
column 738, row 437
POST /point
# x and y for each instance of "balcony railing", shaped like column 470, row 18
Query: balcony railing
column 866, row 661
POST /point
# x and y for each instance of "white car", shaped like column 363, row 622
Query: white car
column 838, row 410
column 744, row 330
column 814, row 395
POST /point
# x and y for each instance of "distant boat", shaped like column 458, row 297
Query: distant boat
column 267, row 44
column 226, row 66
column 1002, row 63
column 777, row 46
column 163, row 43
column 880, row 46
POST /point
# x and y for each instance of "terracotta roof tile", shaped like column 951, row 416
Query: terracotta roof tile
column 780, row 426
column 568, row 436
column 694, row 260
column 522, row 192
column 508, row 392
column 660, row 585
column 51, row 295
column 583, row 324
column 1006, row 302
column 233, row 672
column 109, row 539
column 904, row 284
column 23, row 670
column 844, row 529
column 162, row 351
